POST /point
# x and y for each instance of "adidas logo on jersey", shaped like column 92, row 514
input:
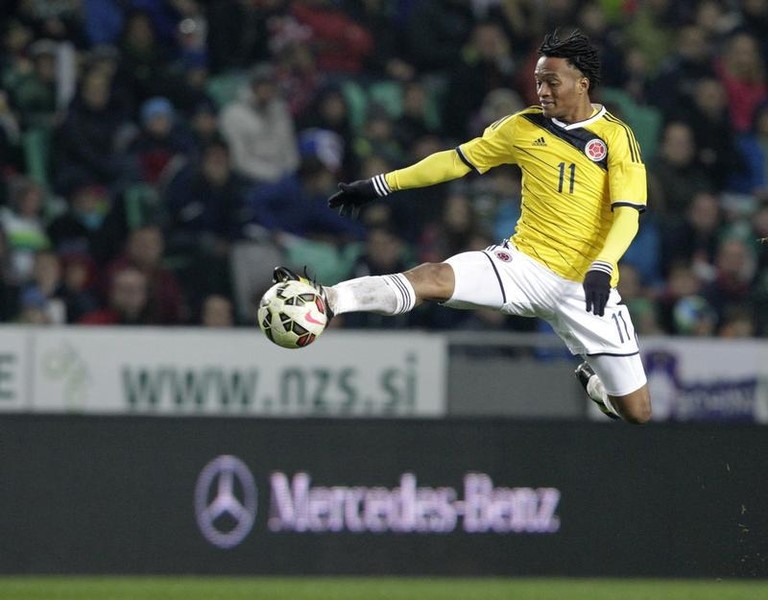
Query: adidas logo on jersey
column 540, row 141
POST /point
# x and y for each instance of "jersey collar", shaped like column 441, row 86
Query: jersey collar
column 600, row 112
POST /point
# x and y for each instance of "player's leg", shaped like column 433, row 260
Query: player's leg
column 397, row 293
column 613, row 374
column 618, row 385
column 466, row 280
column 383, row 294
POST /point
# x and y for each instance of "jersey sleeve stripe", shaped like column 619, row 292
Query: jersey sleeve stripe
column 634, row 147
column 639, row 207
column 496, row 124
column 465, row 160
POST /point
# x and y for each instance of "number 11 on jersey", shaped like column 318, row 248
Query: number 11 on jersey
column 572, row 178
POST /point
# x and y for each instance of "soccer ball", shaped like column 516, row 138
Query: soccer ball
column 292, row 314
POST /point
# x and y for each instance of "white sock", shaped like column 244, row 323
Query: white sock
column 381, row 294
column 596, row 391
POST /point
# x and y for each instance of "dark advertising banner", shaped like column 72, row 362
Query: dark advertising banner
column 470, row 497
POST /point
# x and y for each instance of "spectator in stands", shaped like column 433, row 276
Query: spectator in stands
column 681, row 282
column 754, row 20
column 694, row 238
column 144, row 252
column 205, row 203
column 339, row 44
column 378, row 137
column 651, row 29
column 296, row 72
column 206, row 210
column 675, row 175
column 735, row 270
column 416, row 120
column 260, row 130
column 457, row 226
column 45, row 288
column 388, row 59
column 330, row 111
column 239, row 32
column 55, row 19
column 163, row 142
column 144, row 60
column 14, row 62
column 105, row 60
column 32, row 310
column 217, row 312
column 486, row 64
column 78, row 230
column 34, row 92
column 592, row 19
column 674, row 84
column 717, row 19
column 23, row 224
column 706, row 113
column 737, row 322
column 127, row 301
column 191, row 79
column 296, row 205
column 742, row 70
column 435, row 33
column 87, row 142
column 77, row 283
column 203, row 126
column 754, row 148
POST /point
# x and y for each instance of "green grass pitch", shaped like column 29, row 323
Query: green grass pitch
column 373, row 588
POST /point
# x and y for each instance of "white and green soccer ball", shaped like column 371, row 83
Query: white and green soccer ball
column 292, row 314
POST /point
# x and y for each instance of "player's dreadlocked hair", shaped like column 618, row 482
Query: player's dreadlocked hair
column 577, row 50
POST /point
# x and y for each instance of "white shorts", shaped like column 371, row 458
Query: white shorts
column 504, row 278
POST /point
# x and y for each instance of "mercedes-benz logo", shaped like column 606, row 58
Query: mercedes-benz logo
column 225, row 501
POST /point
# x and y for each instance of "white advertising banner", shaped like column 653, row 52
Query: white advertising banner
column 696, row 379
column 239, row 373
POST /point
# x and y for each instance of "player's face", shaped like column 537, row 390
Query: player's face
column 562, row 90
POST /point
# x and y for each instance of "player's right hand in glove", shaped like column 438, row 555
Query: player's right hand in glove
column 352, row 196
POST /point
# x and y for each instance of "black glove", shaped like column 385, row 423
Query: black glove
column 597, row 286
column 352, row 196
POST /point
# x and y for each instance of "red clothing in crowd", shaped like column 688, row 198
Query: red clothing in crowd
column 341, row 44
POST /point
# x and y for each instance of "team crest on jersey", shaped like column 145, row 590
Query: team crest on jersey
column 503, row 256
column 595, row 150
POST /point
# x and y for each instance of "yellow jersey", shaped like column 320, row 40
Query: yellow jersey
column 574, row 175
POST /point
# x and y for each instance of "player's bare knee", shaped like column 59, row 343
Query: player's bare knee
column 635, row 408
column 638, row 415
column 432, row 281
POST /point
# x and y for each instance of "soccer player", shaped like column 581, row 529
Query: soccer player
column 584, row 186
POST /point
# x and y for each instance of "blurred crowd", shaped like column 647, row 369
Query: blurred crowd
column 159, row 157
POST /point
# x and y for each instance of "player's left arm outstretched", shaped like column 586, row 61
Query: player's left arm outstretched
column 435, row 168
